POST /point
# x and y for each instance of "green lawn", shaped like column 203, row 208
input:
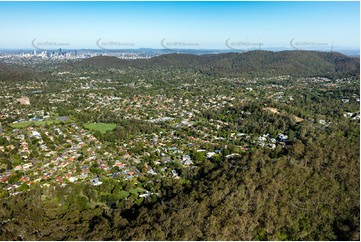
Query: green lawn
column 36, row 123
column 102, row 127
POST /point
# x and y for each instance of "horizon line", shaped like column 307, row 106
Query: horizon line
column 183, row 49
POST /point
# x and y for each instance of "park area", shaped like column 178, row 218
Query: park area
column 101, row 127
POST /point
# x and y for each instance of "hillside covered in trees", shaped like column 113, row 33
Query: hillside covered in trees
column 14, row 73
column 247, row 64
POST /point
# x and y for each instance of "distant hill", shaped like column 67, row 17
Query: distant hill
column 252, row 63
column 99, row 62
column 11, row 72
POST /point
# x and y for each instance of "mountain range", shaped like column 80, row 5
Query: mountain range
column 247, row 64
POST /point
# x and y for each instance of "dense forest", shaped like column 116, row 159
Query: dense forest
column 248, row 64
column 16, row 73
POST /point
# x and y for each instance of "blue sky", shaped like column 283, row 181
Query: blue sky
column 202, row 24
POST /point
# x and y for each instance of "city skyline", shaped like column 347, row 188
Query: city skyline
column 183, row 25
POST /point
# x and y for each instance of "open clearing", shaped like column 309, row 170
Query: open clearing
column 102, row 127
column 275, row 110
column 36, row 123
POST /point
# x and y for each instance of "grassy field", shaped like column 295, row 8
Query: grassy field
column 102, row 127
column 36, row 123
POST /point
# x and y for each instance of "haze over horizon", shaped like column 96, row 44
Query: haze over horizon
column 183, row 25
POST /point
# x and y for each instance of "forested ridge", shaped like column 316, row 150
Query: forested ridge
column 247, row 64
column 15, row 73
